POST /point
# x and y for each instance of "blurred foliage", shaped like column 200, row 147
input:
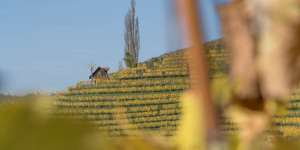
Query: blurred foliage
column 25, row 124
column 191, row 133
column 264, row 55
column 264, row 66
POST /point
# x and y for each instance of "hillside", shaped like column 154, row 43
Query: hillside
column 147, row 97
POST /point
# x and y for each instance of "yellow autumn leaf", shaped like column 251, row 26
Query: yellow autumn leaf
column 191, row 130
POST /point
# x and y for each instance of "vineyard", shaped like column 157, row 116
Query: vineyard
column 147, row 98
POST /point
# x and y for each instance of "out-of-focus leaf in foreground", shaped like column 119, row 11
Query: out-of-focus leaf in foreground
column 262, row 39
column 23, row 126
column 251, row 124
column 221, row 92
column 191, row 131
column 279, row 46
column 240, row 41
column 263, row 43
column 26, row 125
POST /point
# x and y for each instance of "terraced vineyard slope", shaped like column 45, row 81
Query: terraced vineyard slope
column 147, row 97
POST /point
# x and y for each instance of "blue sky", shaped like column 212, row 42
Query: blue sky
column 47, row 44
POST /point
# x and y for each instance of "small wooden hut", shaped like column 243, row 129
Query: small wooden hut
column 100, row 73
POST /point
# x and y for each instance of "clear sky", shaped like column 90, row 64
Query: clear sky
column 47, row 44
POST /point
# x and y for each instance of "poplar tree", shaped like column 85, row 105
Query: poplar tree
column 132, row 37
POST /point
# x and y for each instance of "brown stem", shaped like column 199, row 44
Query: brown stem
column 187, row 12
